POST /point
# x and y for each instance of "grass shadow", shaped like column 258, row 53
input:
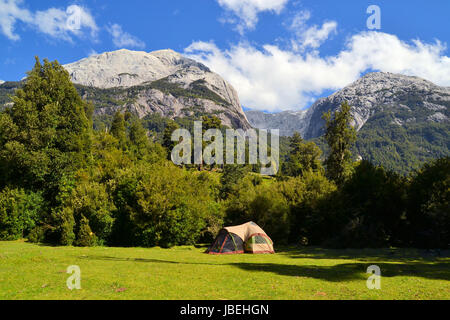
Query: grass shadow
column 107, row 258
column 352, row 271
column 393, row 254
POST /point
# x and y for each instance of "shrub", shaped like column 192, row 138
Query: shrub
column 263, row 204
column 85, row 236
column 162, row 205
column 428, row 205
column 19, row 212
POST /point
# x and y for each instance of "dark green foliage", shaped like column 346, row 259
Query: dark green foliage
column 162, row 206
column 167, row 137
column 303, row 157
column 402, row 148
column 118, row 129
column 197, row 89
column 85, row 236
column 46, row 133
column 19, row 212
column 262, row 204
column 232, row 175
column 63, row 183
column 371, row 208
column 429, row 205
column 340, row 137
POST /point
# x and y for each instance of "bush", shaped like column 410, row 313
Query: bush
column 19, row 212
column 90, row 200
column 262, row 204
column 162, row 205
column 85, row 236
column 309, row 198
column 370, row 208
column 428, row 205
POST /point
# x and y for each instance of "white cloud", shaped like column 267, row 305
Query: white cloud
column 274, row 79
column 310, row 37
column 122, row 39
column 248, row 10
column 10, row 13
column 57, row 23
column 62, row 24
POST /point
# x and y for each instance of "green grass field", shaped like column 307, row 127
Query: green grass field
column 29, row 271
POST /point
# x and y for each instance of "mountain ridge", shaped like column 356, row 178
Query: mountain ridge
column 185, row 86
column 401, row 121
column 364, row 95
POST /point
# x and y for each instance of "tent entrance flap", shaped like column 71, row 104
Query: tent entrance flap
column 227, row 243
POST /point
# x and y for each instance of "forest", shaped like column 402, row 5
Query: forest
column 69, row 179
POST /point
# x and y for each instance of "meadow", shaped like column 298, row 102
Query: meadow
column 30, row 271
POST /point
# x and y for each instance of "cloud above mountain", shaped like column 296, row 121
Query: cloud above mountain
column 273, row 78
column 247, row 11
column 122, row 39
column 54, row 22
column 59, row 23
column 306, row 36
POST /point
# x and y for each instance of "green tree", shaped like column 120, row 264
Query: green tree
column 118, row 129
column 46, row 138
column 46, row 134
column 303, row 157
column 264, row 204
column 85, row 236
column 139, row 141
column 167, row 137
column 232, row 175
column 340, row 136
column 19, row 213
column 372, row 204
column 429, row 203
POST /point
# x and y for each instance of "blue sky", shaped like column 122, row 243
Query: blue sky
column 278, row 54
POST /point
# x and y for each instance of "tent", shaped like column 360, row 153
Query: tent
column 248, row 238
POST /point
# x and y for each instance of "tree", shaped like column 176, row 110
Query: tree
column 118, row 129
column 371, row 206
column 45, row 139
column 263, row 204
column 340, row 136
column 167, row 137
column 429, row 203
column 46, row 134
column 232, row 175
column 139, row 142
column 85, row 236
column 19, row 213
column 211, row 123
column 303, row 157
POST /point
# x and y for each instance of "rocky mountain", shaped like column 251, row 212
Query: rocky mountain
column 369, row 96
column 401, row 120
column 163, row 81
column 287, row 122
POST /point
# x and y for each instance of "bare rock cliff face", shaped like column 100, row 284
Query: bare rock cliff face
column 161, row 81
column 409, row 99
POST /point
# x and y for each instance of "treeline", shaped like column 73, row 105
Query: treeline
column 64, row 183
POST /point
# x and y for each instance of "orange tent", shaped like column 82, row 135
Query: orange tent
column 249, row 238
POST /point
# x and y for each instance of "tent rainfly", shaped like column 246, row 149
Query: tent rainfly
column 248, row 238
